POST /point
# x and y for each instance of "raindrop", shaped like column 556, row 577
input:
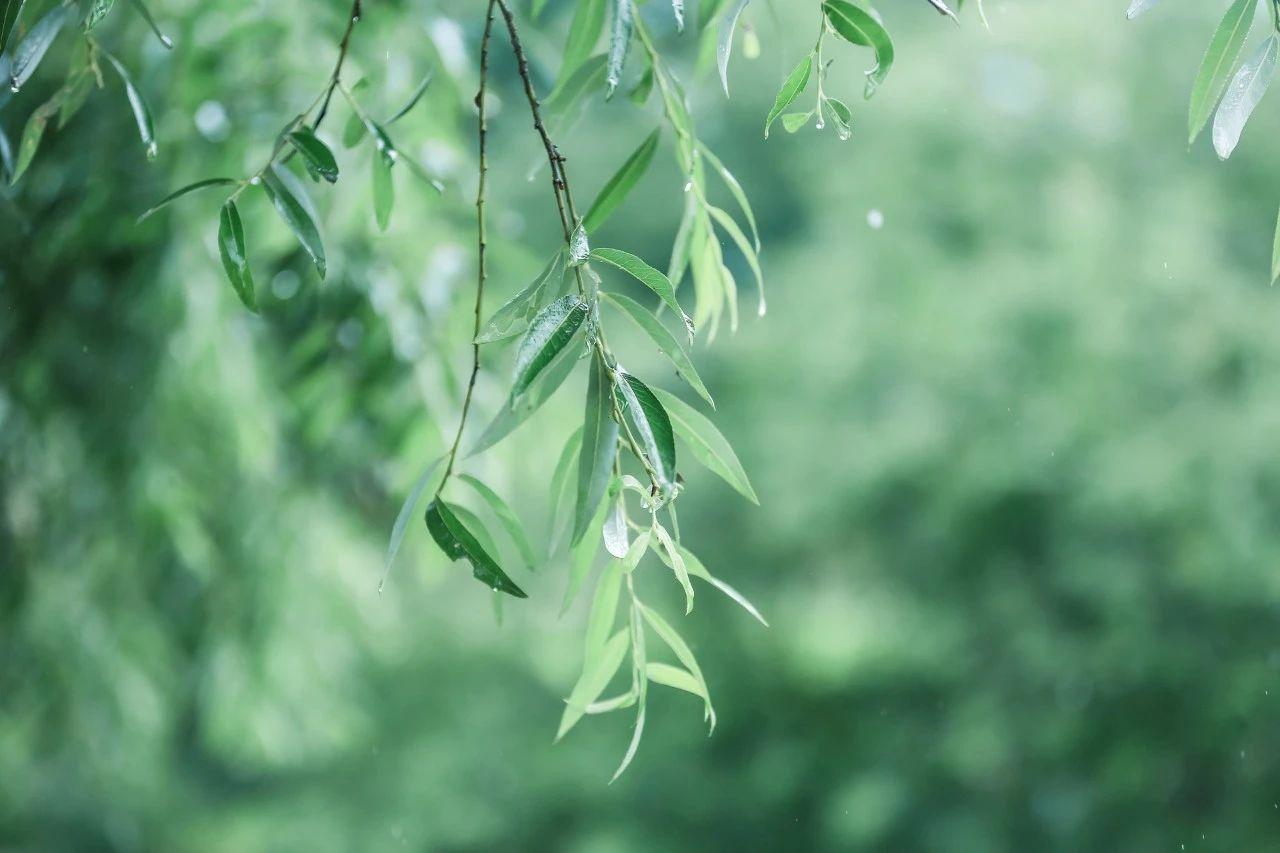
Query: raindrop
column 760, row 310
column 688, row 186
column 167, row 42
column 151, row 150
column 875, row 218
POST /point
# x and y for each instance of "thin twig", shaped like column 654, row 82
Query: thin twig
column 482, row 133
column 336, row 76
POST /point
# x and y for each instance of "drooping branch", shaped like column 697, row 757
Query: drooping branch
column 336, row 77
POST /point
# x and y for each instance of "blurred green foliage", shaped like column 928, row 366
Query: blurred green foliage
column 1013, row 445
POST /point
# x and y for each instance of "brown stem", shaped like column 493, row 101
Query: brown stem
column 335, row 77
column 482, row 134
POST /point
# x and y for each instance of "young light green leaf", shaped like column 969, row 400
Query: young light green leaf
column 319, row 159
column 636, row 550
column 667, row 343
column 706, row 444
column 413, row 99
column 615, row 703
column 506, row 517
column 724, row 44
column 141, row 112
column 565, row 470
column 791, row 122
column 640, row 92
column 593, row 681
column 735, row 189
column 604, row 610
column 382, row 142
column 517, row 410
column 619, row 42
column 457, row 542
column 27, row 53
column 384, row 192
column 673, row 676
column 727, row 222
column 634, row 745
column 618, row 186
column 841, row 117
column 231, row 250
column 599, row 445
column 353, row 131
column 1137, row 7
column 680, row 245
column 675, row 560
column 683, row 653
column 646, row 275
column 549, row 333
column 858, row 26
column 791, row 89
column 179, row 193
column 698, row 570
column 651, row 425
column 582, row 555
column 407, row 510
column 32, row 133
column 510, row 319
column 1216, row 67
column 584, row 32
column 1242, row 96
column 294, row 206
column 589, row 77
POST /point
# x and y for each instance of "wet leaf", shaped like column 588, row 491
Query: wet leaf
column 512, row 317
column 457, row 542
column 706, row 443
column 384, row 192
column 791, row 89
column 506, row 517
column 1242, row 96
column 27, row 54
column 141, row 112
column 318, row 157
column 724, row 43
column 549, row 333
column 619, row 42
column 651, row 427
column 666, row 342
column 859, row 27
column 1216, row 67
column 234, row 261
column 294, row 206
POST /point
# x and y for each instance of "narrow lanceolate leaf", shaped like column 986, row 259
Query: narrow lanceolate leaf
column 683, row 653
column 646, row 275
column 517, row 410
column 384, row 192
column 735, row 189
column 667, row 343
column 382, row 142
column 724, row 43
column 9, row 12
column 604, row 611
column 1242, row 96
column 588, row 78
column 1275, row 254
column 142, row 10
column 27, row 53
column 141, row 112
column 594, row 679
column 512, row 318
column 1218, row 63
column 294, row 206
column 189, row 188
column 582, row 556
column 319, row 159
column 651, row 426
column 32, row 133
column 584, row 32
column 549, row 333
column 506, row 517
column 599, row 445
column 697, row 570
column 619, row 41
column 413, row 99
column 673, row 676
column 857, row 26
column 1137, row 7
column 231, row 250
column 727, row 222
column 406, row 512
column 706, row 443
column 673, row 558
column 791, row 89
column 559, row 500
column 98, row 9
column 618, row 186
column 458, row 543
column 640, row 683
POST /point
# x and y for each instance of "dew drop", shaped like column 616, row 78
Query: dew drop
column 152, row 150
column 167, row 42
column 14, row 87
column 760, row 311
column 688, row 186
column 875, row 218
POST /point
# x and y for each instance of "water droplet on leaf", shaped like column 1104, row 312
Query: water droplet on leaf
column 875, row 218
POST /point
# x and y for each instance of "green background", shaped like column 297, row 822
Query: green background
column 1015, row 450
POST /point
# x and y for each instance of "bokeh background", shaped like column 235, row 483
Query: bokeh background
column 1015, row 448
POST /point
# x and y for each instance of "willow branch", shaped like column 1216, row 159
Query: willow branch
column 482, row 134
column 352, row 18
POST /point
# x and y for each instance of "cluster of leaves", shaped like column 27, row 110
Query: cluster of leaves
column 1229, row 88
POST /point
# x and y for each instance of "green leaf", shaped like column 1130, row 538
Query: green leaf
column 566, row 466
column 353, row 131
column 706, row 444
column 618, row 186
column 791, row 122
column 615, row 532
column 640, row 684
column 231, row 250
column 727, row 222
column 9, row 12
column 98, row 9
column 599, row 446
column 27, row 53
column 141, row 8
column 604, row 611
column 667, row 343
column 584, row 32
column 698, row 570
column 673, row 676
column 589, row 77
column 791, row 89
column 1275, row 254
column 80, row 82
column 1216, row 67
column 735, row 189
column 594, row 679
column 841, row 116
column 459, row 543
column 472, row 522
column 382, row 142
column 674, row 559
column 640, row 92
column 413, row 99
column 189, row 188
column 511, row 319
column 857, row 26
column 1242, row 96
column 683, row 653
column 33, row 132
column 652, row 428
column 646, row 275
column 384, row 192
column 406, row 512
column 294, row 206
column 319, row 159
column 583, row 553
column 680, row 245
column 141, row 112
column 579, row 247
column 619, row 41
column 549, row 333
column 724, row 44
column 506, row 517
column 517, row 410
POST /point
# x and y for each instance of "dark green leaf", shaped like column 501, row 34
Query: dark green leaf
column 584, row 32
column 232, row 251
column 646, row 275
column 384, row 192
column 791, row 89
column 517, row 411
column 151, row 22
column 651, row 427
column 549, row 333
column 706, row 443
column 179, row 193
column 512, row 317
column 599, row 446
column 617, row 187
column 857, row 26
column 457, row 542
column 506, row 516
column 1218, row 63
column 28, row 52
column 141, row 113
column 667, row 343
column 294, row 206
column 318, row 157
